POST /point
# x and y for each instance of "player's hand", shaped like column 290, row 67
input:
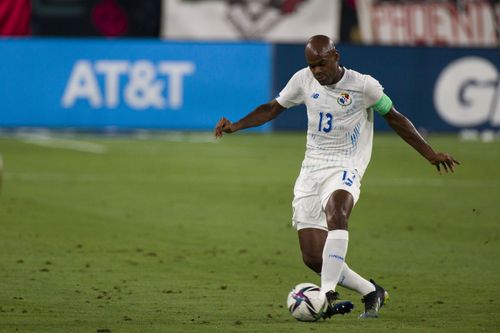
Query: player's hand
column 446, row 161
column 223, row 126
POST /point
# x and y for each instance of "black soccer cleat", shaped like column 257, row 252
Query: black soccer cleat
column 336, row 306
column 374, row 301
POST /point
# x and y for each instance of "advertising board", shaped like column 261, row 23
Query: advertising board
column 439, row 89
column 130, row 83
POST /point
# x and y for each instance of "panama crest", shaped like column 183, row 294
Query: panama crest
column 344, row 99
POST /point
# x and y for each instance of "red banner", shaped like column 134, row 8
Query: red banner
column 15, row 17
column 433, row 23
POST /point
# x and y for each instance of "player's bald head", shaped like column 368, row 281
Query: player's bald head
column 319, row 46
column 323, row 59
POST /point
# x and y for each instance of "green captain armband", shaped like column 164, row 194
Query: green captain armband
column 383, row 105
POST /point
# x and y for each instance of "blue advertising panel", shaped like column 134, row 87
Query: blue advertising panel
column 93, row 84
column 439, row 89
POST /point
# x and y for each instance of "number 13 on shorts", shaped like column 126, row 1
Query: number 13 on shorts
column 348, row 177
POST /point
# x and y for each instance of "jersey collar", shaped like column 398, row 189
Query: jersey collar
column 342, row 79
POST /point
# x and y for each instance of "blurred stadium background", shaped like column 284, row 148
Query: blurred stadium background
column 119, row 212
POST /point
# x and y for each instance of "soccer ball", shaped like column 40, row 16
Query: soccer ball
column 306, row 302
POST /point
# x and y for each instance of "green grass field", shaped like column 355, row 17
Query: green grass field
column 179, row 233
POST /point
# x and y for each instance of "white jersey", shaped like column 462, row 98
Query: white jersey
column 340, row 118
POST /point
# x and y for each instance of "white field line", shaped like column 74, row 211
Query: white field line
column 51, row 142
column 189, row 137
column 426, row 182
column 447, row 181
column 380, row 182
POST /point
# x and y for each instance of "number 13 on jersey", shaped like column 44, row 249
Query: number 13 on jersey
column 325, row 122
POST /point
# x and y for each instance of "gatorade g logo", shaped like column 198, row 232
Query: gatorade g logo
column 467, row 93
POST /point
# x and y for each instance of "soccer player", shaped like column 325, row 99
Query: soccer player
column 340, row 104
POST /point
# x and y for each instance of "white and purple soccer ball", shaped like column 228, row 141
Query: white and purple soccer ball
column 306, row 302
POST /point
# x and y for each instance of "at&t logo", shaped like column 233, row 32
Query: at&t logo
column 141, row 84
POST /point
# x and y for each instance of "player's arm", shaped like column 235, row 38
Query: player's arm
column 405, row 129
column 259, row 116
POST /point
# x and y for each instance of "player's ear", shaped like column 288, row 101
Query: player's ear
column 336, row 55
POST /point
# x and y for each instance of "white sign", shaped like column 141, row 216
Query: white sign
column 146, row 84
column 440, row 23
column 272, row 20
column 467, row 93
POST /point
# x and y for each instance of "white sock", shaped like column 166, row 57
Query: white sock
column 351, row 280
column 333, row 258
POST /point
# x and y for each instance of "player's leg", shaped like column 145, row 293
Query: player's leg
column 351, row 280
column 312, row 239
column 338, row 209
column 310, row 221
column 311, row 242
column 374, row 296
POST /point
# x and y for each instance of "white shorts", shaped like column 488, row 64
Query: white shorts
column 312, row 191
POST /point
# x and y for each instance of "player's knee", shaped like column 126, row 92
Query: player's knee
column 338, row 209
column 337, row 218
column 314, row 262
